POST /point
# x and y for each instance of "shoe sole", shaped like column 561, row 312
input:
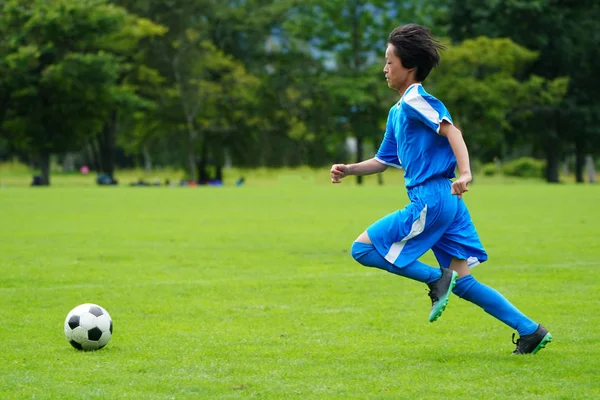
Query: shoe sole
column 547, row 339
column 444, row 302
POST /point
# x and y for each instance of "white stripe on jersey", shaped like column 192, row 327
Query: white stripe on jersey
column 389, row 164
column 417, row 228
column 416, row 101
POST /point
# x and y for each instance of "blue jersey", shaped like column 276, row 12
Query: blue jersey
column 412, row 140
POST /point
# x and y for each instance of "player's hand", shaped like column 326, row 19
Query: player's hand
column 338, row 171
column 460, row 185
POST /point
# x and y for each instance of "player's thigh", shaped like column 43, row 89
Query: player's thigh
column 404, row 236
column 447, row 260
column 460, row 241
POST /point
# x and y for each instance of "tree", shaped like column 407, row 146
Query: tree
column 208, row 59
column 60, row 77
column 349, row 39
column 565, row 34
column 479, row 81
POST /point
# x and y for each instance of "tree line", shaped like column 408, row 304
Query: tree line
column 197, row 84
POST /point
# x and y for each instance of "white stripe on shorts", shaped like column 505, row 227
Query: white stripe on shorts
column 473, row 262
column 417, row 228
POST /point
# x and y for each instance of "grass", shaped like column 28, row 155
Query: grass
column 249, row 292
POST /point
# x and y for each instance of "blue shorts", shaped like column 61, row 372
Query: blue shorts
column 434, row 219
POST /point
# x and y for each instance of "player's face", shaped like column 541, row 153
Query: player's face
column 396, row 75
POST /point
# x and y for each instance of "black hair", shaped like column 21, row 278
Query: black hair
column 417, row 48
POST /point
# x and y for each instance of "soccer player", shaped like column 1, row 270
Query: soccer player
column 421, row 138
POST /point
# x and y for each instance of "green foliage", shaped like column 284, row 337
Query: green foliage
column 490, row 169
column 284, row 82
column 210, row 101
column 563, row 34
column 63, row 70
column 524, row 167
column 479, row 81
column 348, row 40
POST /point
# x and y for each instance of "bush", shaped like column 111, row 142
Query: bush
column 525, row 167
column 490, row 169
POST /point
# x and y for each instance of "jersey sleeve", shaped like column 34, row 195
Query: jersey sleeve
column 388, row 150
column 426, row 108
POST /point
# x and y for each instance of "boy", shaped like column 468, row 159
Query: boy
column 420, row 138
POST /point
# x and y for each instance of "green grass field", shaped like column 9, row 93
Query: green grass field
column 250, row 292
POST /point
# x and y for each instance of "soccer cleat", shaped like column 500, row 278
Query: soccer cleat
column 439, row 291
column 531, row 344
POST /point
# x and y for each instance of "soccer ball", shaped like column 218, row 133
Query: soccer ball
column 88, row 327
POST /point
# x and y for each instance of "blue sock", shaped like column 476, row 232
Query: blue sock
column 494, row 304
column 367, row 255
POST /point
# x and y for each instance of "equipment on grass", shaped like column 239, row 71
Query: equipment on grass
column 88, row 327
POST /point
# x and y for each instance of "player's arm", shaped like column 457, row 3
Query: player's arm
column 459, row 147
column 367, row 167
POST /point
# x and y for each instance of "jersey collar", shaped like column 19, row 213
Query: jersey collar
column 406, row 91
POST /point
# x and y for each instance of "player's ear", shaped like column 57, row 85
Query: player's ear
column 413, row 72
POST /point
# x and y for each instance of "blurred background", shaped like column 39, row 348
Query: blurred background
column 200, row 86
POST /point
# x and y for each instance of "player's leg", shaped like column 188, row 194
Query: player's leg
column 453, row 251
column 365, row 253
column 440, row 281
column 533, row 336
column 396, row 241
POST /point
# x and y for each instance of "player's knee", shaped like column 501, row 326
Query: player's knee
column 360, row 251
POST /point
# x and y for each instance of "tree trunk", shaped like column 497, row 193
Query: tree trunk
column 192, row 164
column 356, row 49
column 68, row 162
column 590, row 168
column 552, row 164
column 45, row 167
column 94, row 155
column 147, row 159
column 579, row 162
column 379, row 176
column 359, row 156
column 108, row 144
column 219, row 160
column 203, row 176
column 192, row 159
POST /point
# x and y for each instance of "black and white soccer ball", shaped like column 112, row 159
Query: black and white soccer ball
column 88, row 327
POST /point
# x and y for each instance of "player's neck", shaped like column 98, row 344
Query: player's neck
column 405, row 87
